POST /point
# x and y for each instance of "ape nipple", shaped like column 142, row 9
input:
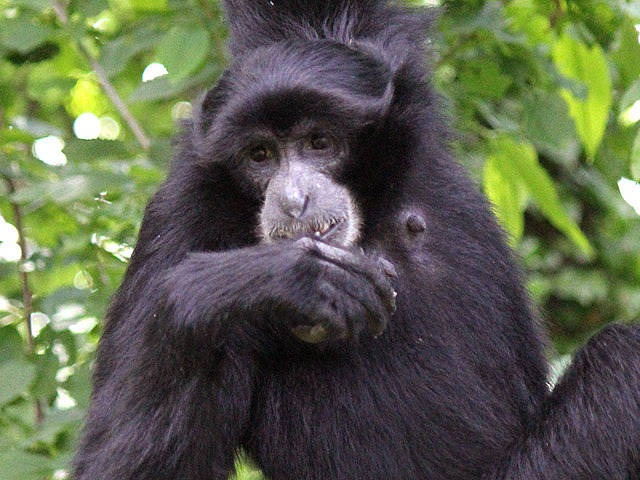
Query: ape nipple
column 415, row 224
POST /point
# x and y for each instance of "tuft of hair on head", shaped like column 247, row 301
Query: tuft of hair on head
column 386, row 25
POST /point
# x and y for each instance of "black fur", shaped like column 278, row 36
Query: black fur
column 197, row 359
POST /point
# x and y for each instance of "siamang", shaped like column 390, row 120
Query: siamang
column 320, row 284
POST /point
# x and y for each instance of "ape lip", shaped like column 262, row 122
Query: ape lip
column 319, row 229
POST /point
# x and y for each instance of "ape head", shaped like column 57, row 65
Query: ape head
column 286, row 121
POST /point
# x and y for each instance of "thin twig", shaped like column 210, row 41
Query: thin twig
column 107, row 86
column 27, row 293
column 557, row 13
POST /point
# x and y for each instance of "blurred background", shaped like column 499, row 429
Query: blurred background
column 544, row 95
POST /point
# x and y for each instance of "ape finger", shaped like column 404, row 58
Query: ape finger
column 377, row 273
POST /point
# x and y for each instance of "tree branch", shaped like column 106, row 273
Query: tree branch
column 557, row 13
column 27, row 293
column 107, row 86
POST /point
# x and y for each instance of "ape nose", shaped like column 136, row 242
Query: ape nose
column 294, row 202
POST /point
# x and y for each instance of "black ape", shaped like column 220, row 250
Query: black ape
column 314, row 184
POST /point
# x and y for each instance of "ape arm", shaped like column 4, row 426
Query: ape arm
column 184, row 365
column 310, row 283
column 588, row 428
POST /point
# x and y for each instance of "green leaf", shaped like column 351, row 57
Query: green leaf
column 23, row 35
column 83, row 150
column 36, row 127
column 183, row 50
column 21, row 465
column 518, row 161
column 525, row 17
column 631, row 96
column 245, row 470
column 635, row 158
column 58, row 421
column 79, row 385
column 546, row 122
column 627, row 51
column 149, row 4
column 50, row 280
column 70, row 188
column 117, row 53
column 161, row 88
column 16, row 377
column 489, row 18
column 31, row 4
column 67, row 190
column 89, row 8
column 587, row 287
column 16, row 135
column 11, row 344
column 484, row 79
column 504, row 193
column 45, row 383
column 577, row 61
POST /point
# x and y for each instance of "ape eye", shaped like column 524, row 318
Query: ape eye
column 260, row 154
column 320, row 142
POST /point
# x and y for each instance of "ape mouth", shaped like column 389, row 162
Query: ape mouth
column 327, row 228
column 319, row 228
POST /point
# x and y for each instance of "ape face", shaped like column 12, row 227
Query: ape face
column 287, row 134
column 302, row 196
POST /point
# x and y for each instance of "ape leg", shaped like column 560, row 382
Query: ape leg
column 188, row 430
column 589, row 426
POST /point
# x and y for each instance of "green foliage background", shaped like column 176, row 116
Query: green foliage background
column 542, row 93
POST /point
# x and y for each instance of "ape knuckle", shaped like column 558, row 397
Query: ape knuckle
column 377, row 325
column 306, row 244
column 325, row 287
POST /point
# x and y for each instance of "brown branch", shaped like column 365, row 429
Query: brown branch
column 107, row 86
column 557, row 13
column 27, row 293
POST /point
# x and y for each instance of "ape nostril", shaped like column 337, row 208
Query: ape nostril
column 294, row 204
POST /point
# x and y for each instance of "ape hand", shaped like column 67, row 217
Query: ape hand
column 351, row 291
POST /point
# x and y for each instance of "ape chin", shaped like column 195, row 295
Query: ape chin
column 320, row 284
